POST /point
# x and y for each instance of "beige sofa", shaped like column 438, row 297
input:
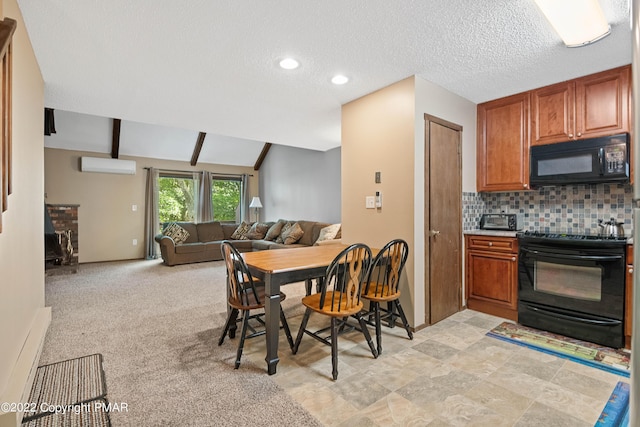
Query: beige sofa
column 203, row 242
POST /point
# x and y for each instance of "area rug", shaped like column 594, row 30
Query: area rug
column 605, row 358
column 64, row 387
column 616, row 411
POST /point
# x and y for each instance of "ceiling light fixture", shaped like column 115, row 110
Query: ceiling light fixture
column 289, row 64
column 578, row 22
column 339, row 79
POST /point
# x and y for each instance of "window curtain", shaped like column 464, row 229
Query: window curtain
column 244, row 202
column 205, row 205
column 151, row 221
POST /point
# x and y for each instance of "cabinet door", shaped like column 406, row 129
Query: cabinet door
column 492, row 278
column 552, row 113
column 602, row 103
column 503, row 144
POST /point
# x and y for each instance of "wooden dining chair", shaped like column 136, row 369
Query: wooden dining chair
column 382, row 287
column 339, row 298
column 244, row 294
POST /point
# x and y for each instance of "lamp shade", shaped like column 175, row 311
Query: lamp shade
column 255, row 203
column 577, row 22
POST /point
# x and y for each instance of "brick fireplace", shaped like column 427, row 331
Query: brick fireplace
column 65, row 218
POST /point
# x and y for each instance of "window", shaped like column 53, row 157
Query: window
column 177, row 198
column 226, row 195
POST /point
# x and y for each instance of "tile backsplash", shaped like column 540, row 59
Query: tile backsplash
column 567, row 208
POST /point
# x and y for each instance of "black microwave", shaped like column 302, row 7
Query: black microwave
column 585, row 161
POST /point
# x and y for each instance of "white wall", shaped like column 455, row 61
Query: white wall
column 23, row 317
column 296, row 183
column 436, row 101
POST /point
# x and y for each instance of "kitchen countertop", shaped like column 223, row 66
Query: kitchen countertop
column 501, row 233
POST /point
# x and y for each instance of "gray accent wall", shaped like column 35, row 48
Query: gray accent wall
column 296, row 183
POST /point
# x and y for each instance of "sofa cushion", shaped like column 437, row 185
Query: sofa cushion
column 328, row 233
column 275, row 230
column 210, row 231
column 189, row 248
column 261, row 245
column 258, row 230
column 176, row 232
column 228, row 229
column 292, row 234
column 311, row 231
column 287, row 225
column 241, row 231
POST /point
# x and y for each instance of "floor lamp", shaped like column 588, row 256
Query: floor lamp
column 257, row 204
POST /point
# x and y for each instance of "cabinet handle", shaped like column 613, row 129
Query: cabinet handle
column 490, row 243
column 570, row 135
column 513, row 258
column 630, row 270
column 526, row 185
column 579, row 134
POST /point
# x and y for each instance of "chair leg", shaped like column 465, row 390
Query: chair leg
column 365, row 332
column 378, row 321
column 334, row 347
column 231, row 320
column 285, row 326
column 245, row 323
column 307, row 285
column 303, row 325
column 404, row 318
column 392, row 315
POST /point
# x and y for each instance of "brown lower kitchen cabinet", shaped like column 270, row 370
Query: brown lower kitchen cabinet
column 628, row 303
column 492, row 275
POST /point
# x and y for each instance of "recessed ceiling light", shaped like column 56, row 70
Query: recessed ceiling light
column 289, row 64
column 339, row 79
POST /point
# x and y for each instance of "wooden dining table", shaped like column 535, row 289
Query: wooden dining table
column 279, row 267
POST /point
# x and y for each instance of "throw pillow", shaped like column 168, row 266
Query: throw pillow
column 285, row 227
column 292, row 234
column 275, row 230
column 257, row 231
column 241, row 232
column 328, row 233
column 177, row 233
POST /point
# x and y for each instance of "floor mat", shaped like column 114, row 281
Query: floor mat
column 605, row 358
column 616, row 411
column 63, row 387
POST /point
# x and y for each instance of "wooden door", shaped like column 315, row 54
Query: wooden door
column 602, row 103
column 552, row 113
column 503, row 144
column 443, row 218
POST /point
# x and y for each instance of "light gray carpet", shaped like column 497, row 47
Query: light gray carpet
column 157, row 328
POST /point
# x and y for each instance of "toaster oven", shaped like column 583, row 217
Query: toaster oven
column 508, row 222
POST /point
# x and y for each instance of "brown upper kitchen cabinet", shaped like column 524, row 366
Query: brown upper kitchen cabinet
column 503, row 144
column 587, row 107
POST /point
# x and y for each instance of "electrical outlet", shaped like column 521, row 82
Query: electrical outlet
column 504, row 209
column 135, row 242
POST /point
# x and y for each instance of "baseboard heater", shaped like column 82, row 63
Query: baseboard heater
column 106, row 165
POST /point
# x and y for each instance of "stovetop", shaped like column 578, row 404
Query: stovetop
column 584, row 238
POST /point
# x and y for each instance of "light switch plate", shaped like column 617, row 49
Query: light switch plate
column 370, row 202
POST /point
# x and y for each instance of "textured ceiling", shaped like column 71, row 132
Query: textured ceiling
column 211, row 66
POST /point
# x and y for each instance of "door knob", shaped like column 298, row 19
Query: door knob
column 433, row 232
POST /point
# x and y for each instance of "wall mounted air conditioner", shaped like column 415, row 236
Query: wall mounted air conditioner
column 106, row 165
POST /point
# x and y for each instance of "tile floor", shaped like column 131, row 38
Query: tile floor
column 450, row 374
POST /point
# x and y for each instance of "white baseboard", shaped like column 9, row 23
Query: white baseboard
column 24, row 370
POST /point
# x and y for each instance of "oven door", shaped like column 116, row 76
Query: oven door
column 585, row 280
